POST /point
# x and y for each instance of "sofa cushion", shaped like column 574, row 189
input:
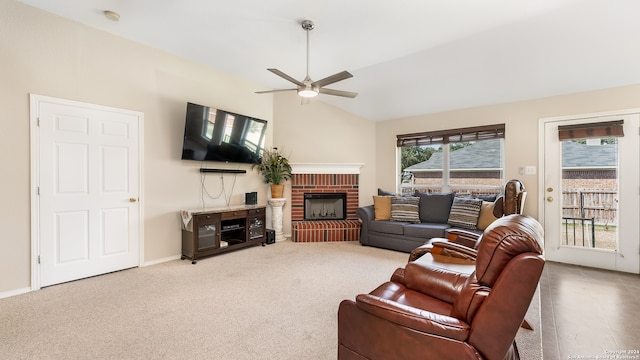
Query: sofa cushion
column 382, row 207
column 486, row 215
column 387, row 227
column 434, row 208
column 426, row 230
column 464, row 213
column 405, row 208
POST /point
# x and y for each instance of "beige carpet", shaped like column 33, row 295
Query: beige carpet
column 273, row 302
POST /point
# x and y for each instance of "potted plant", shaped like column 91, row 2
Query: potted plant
column 275, row 170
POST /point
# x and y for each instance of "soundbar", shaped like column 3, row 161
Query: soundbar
column 229, row 171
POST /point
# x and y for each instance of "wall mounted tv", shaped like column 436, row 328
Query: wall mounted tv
column 212, row 134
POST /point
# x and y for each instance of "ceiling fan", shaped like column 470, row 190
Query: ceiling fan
column 307, row 87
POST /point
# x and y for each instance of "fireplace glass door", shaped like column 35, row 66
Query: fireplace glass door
column 323, row 206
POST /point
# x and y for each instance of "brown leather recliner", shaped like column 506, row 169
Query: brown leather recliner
column 431, row 312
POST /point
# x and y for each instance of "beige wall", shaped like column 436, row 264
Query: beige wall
column 46, row 55
column 521, row 139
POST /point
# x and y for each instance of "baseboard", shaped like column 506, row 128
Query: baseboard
column 15, row 292
column 25, row 290
column 160, row 261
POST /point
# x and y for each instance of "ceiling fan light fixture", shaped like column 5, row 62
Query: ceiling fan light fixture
column 308, row 91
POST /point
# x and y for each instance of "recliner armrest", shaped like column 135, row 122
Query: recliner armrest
column 398, row 276
column 419, row 251
column 436, row 282
column 413, row 318
column 443, row 247
column 463, row 237
column 453, row 249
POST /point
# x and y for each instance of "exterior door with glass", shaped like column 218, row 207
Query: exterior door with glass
column 590, row 201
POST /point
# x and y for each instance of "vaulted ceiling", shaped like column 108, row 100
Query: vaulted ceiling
column 408, row 57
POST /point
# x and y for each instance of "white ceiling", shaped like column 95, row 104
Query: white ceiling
column 408, row 57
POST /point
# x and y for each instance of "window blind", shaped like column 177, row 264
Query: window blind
column 592, row 130
column 487, row 132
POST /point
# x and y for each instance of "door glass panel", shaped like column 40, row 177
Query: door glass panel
column 590, row 193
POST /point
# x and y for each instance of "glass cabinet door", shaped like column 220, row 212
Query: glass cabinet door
column 256, row 228
column 207, row 236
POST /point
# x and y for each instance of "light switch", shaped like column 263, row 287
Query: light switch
column 530, row 170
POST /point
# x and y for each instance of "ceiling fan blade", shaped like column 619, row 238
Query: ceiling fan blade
column 332, row 79
column 348, row 94
column 272, row 91
column 286, row 77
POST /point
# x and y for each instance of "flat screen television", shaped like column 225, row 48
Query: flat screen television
column 212, row 134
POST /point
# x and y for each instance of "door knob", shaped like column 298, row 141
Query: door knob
column 132, row 200
column 550, row 199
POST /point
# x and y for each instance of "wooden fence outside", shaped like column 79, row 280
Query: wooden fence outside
column 600, row 205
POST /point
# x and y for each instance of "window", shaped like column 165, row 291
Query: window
column 468, row 161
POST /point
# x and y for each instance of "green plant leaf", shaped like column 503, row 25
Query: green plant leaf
column 274, row 167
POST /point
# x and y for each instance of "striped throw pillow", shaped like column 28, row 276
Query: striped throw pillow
column 464, row 213
column 405, row 208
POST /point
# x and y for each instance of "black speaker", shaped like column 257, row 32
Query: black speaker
column 251, row 198
column 271, row 236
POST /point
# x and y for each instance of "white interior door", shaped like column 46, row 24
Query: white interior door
column 87, row 181
column 578, row 239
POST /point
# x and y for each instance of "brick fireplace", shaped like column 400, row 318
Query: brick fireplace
column 317, row 179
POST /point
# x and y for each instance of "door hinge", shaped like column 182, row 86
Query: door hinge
column 38, row 191
column 38, row 259
column 38, row 122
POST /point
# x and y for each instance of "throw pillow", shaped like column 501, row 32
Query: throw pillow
column 486, row 215
column 435, row 208
column 464, row 213
column 405, row 208
column 382, row 207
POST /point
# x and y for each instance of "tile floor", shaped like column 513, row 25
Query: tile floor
column 589, row 313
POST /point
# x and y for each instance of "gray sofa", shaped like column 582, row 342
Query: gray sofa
column 434, row 212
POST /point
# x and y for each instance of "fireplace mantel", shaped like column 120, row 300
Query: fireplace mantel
column 325, row 168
